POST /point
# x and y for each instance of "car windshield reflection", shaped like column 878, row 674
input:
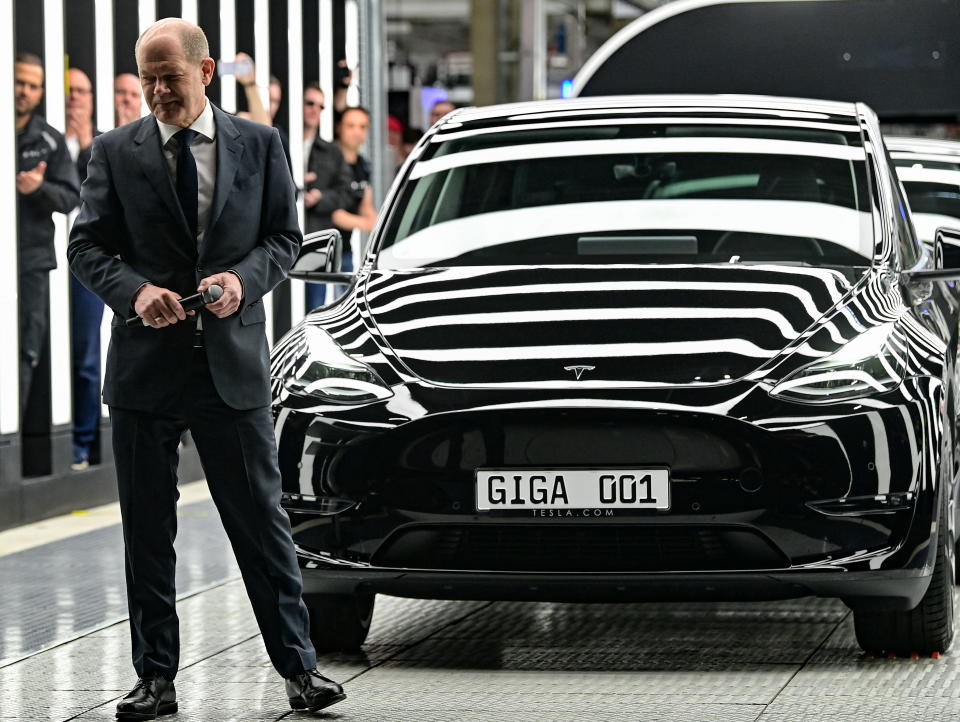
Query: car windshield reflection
column 636, row 195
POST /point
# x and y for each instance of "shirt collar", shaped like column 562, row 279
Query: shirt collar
column 204, row 125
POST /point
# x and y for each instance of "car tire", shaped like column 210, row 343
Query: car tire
column 339, row 622
column 928, row 627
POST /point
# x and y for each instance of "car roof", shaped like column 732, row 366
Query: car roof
column 743, row 106
column 898, row 145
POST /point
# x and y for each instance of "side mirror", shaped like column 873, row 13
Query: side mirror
column 320, row 258
column 946, row 254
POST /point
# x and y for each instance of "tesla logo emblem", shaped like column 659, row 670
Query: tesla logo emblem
column 578, row 370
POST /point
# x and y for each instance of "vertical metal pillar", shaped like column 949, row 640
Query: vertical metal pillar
column 533, row 51
column 373, row 93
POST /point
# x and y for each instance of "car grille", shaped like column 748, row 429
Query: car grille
column 583, row 548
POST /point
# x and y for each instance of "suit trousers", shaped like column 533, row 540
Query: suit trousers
column 238, row 452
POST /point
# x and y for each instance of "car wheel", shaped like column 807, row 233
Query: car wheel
column 339, row 622
column 926, row 628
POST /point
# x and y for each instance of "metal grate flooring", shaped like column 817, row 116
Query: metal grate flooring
column 793, row 661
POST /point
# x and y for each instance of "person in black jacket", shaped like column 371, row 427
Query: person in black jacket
column 326, row 181
column 86, row 310
column 46, row 184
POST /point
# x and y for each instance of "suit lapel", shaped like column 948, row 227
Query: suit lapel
column 229, row 152
column 150, row 156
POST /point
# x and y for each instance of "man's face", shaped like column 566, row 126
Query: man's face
column 126, row 97
column 173, row 87
column 354, row 126
column 27, row 88
column 439, row 110
column 276, row 95
column 80, row 97
column 312, row 105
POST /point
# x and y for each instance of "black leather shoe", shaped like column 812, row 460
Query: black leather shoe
column 312, row 691
column 152, row 697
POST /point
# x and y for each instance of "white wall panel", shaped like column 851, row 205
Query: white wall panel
column 228, row 51
column 55, row 95
column 326, row 67
column 9, row 349
column 147, row 16
column 189, row 11
column 103, row 21
column 261, row 58
column 295, row 123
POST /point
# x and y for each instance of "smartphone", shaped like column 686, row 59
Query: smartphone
column 242, row 67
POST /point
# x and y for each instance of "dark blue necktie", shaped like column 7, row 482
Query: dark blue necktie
column 187, row 184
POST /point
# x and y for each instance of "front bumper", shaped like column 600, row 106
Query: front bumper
column 762, row 507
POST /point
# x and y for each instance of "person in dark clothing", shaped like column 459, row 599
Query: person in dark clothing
column 174, row 203
column 326, row 180
column 46, row 184
column 359, row 213
column 86, row 309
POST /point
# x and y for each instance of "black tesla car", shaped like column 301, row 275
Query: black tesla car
column 612, row 349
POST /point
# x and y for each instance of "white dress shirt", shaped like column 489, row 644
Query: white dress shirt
column 204, row 149
column 205, row 152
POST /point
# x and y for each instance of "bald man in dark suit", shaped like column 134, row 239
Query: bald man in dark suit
column 182, row 199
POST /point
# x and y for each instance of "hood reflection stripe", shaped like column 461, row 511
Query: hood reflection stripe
column 801, row 295
column 593, row 314
column 738, row 347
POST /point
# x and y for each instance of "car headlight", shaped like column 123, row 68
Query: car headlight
column 869, row 364
column 327, row 373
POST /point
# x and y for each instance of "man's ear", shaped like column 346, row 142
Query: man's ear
column 207, row 67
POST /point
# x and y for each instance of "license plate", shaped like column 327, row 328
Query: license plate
column 507, row 489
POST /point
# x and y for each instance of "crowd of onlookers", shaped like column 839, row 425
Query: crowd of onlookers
column 336, row 193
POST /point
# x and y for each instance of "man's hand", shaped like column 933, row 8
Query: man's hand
column 246, row 78
column 79, row 126
column 312, row 197
column 159, row 307
column 229, row 302
column 29, row 180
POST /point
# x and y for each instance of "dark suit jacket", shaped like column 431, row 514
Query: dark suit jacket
column 131, row 230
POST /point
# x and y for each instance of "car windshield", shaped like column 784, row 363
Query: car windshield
column 636, row 193
column 933, row 190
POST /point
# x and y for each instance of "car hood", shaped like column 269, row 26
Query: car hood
column 596, row 326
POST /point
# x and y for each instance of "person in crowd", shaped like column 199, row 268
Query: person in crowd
column 256, row 111
column 164, row 216
column 342, row 78
column 86, row 309
column 440, row 109
column 126, row 98
column 248, row 81
column 411, row 136
column 326, row 180
column 395, row 141
column 359, row 213
column 276, row 98
column 46, row 183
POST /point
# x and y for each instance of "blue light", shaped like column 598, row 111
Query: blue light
column 566, row 88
